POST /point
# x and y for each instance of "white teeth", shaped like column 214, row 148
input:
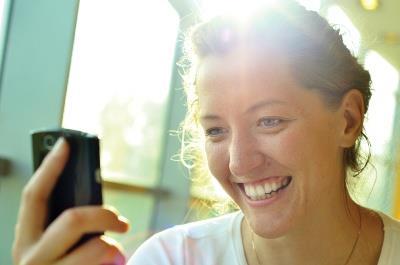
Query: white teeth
column 252, row 191
column 263, row 191
column 267, row 187
column 246, row 189
column 274, row 186
column 260, row 191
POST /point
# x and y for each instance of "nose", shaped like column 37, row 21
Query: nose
column 244, row 155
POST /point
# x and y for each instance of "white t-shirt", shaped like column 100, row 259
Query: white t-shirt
column 218, row 241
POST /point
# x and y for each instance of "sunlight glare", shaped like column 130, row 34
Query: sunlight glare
column 240, row 9
column 381, row 113
column 351, row 36
column 314, row 5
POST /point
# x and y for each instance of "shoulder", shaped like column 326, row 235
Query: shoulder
column 209, row 227
column 390, row 225
column 390, row 253
column 177, row 244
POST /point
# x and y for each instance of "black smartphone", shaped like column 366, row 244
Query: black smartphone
column 80, row 182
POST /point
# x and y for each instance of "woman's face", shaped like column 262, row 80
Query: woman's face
column 272, row 144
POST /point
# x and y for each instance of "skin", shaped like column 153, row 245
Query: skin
column 35, row 245
column 259, row 123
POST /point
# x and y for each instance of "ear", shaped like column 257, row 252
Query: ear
column 352, row 111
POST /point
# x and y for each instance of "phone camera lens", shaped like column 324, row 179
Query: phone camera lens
column 49, row 141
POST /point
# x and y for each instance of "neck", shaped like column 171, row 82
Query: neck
column 326, row 236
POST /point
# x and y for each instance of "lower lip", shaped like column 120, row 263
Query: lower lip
column 265, row 202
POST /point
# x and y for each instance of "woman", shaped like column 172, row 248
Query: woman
column 281, row 102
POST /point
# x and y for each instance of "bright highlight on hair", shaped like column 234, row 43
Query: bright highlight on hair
column 351, row 36
column 240, row 9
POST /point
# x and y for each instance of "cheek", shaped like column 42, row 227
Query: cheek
column 288, row 149
column 310, row 151
column 217, row 159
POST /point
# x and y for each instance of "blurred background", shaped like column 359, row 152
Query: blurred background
column 109, row 67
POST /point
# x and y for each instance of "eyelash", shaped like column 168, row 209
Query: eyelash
column 209, row 131
column 275, row 122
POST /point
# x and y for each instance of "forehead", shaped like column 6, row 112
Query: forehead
column 232, row 84
column 246, row 74
column 247, row 62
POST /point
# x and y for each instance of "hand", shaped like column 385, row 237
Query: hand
column 36, row 245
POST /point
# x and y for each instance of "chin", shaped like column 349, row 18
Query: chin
column 270, row 226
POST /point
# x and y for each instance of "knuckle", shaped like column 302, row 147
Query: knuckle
column 29, row 194
column 110, row 213
column 74, row 217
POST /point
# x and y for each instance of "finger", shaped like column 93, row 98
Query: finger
column 69, row 227
column 100, row 250
column 33, row 209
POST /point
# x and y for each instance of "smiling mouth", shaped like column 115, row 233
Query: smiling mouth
column 264, row 190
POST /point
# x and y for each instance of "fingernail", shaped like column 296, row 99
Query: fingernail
column 111, row 208
column 125, row 222
column 123, row 219
column 108, row 240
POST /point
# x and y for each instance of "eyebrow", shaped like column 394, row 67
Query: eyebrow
column 259, row 105
column 209, row 117
column 265, row 103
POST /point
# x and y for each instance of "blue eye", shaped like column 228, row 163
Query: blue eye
column 214, row 132
column 270, row 122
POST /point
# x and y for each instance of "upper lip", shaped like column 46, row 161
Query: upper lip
column 256, row 180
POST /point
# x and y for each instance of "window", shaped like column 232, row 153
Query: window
column 3, row 26
column 118, row 88
column 376, row 190
column 119, row 83
column 385, row 79
column 2, row 11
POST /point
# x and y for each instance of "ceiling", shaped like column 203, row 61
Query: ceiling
column 374, row 25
